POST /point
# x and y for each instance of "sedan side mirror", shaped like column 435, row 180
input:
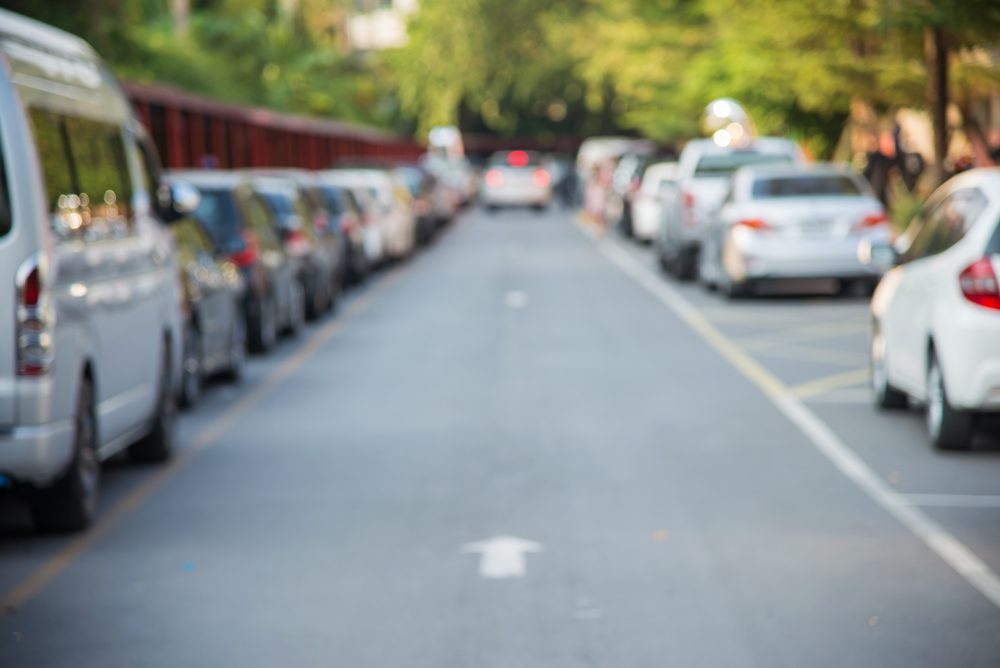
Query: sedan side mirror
column 878, row 255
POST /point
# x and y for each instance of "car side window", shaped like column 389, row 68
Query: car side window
column 86, row 175
column 257, row 216
column 941, row 227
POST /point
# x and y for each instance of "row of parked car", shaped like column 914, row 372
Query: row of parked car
column 736, row 218
column 126, row 288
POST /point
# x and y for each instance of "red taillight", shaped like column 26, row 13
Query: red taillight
column 979, row 284
column 31, row 289
column 348, row 222
column 34, row 337
column 872, row 220
column 494, row 178
column 297, row 242
column 248, row 256
column 755, row 224
column 541, row 178
column 517, row 159
column 687, row 198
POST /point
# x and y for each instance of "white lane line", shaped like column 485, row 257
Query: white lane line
column 955, row 500
column 949, row 548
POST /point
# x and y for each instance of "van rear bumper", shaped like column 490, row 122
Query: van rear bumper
column 36, row 454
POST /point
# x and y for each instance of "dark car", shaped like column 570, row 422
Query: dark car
column 303, row 225
column 347, row 218
column 214, row 327
column 242, row 229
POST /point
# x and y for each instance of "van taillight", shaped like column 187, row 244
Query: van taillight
column 979, row 284
column 34, row 340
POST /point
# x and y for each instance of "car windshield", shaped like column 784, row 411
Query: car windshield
column 805, row 186
column 218, row 215
column 727, row 163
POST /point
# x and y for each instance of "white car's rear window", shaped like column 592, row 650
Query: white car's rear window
column 805, row 186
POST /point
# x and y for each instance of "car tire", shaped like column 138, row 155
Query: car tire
column 191, row 369
column 687, row 264
column 71, row 503
column 296, row 310
column 948, row 428
column 158, row 445
column 886, row 396
column 237, row 351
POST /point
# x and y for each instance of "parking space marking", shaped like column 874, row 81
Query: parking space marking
column 936, row 537
column 835, row 381
column 815, row 331
column 209, row 436
column 816, row 354
column 741, row 316
column 849, row 396
column 955, row 500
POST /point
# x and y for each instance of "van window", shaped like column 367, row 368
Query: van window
column 86, row 175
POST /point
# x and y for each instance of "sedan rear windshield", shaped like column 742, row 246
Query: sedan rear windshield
column 219, row 216
column 727, row 163
column 805, row 186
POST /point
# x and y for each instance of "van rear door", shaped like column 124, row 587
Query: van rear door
column 9, row 264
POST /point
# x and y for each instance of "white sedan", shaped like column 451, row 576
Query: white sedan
column 516, row 178
column 936, row 315
column 791, row 222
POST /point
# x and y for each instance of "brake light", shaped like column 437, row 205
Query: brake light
column 872, row 220
column 687, row 198
column 34, row 340
column 979, row 284
column 755, row 224
column 348, row 222
column 248, row 256
column 541, row 178
column 517, row 158
column 296, row 242
column 688, row 214
column 494, row 178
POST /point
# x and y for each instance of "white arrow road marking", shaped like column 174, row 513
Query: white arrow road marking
column 502, row 556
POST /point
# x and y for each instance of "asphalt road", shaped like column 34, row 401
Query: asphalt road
column 682, row 481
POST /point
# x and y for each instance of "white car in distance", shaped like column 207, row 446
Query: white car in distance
column 792, row 222
column 516, row 178
column 936, row 313
column 647, row 208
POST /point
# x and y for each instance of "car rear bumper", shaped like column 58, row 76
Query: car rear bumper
column 513, row 196
column 36, row 454
column 966, row 341
column 753, row 256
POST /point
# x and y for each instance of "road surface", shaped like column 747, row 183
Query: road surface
column 526, row 448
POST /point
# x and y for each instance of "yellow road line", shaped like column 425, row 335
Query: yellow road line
column 803, row 334
column 834, row 381
column 209, row 436
column 816, row 355
column 952, row 551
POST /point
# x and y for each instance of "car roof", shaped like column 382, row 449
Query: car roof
column 207, row 178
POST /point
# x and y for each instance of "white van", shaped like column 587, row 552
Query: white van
column 89, row 295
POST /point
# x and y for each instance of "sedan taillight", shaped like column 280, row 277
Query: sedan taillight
column 979, row 284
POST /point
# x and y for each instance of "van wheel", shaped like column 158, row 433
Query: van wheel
column 191, row 371
column 71, row 503
column 948, row 428
column 158, row 445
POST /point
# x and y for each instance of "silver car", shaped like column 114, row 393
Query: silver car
column 692, row 199
column 90, row 343
column 787, row 222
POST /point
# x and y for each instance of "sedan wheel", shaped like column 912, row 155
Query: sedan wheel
column 948, row 428
column 885, row 395
column 191, row 371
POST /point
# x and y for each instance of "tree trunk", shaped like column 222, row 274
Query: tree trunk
column 936, row 55
column 180, row 10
